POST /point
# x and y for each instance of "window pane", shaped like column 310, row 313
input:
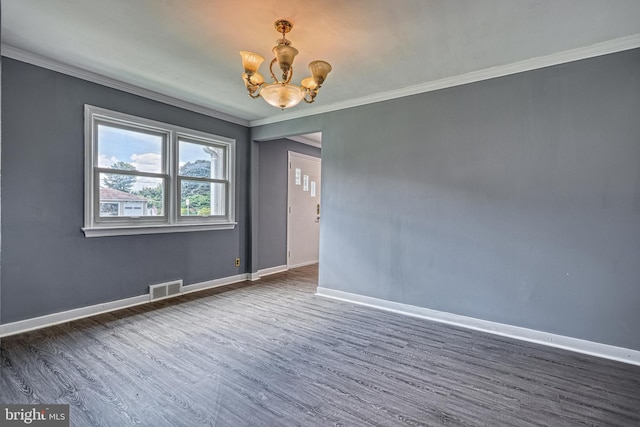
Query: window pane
column 127, row 149
column 203, row 161
column 128, row 195
column 202, row 198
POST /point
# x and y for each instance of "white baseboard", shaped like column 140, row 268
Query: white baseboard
column 272, row 270
column 606, row 351
column 302, row 264
column 26, row 325
column 93, row 310
column 214, row 283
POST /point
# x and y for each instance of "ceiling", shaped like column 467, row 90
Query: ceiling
column 188, row 49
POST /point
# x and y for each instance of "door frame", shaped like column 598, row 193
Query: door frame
column 289, row 176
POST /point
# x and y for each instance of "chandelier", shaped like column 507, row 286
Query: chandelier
column 282, row 93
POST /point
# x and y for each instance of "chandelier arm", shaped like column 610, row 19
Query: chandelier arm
column 255, row 94
column 309, row 96
column 273, row 76
column 253, row 89
column 290, row 75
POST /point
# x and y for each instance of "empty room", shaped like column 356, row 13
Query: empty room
column 348, row 213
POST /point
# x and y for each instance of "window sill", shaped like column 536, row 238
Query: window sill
column 154, row 229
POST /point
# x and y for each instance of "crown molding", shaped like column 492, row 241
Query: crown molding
column 594, row 50
column 598, row 49
column 60, row 67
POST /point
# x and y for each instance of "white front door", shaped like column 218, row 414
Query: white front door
column 303, row 221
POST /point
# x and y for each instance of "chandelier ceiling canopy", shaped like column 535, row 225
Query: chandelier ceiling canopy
column 282, row 93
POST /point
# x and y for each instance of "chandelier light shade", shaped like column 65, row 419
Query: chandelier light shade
column 282, row 93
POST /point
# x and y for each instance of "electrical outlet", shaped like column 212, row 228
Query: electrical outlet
column 237, row 262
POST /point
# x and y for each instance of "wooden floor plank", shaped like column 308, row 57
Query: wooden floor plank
column 273, row 353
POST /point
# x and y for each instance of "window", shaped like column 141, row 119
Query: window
column 144, row 177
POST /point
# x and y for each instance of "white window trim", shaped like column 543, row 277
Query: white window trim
column 171, row 222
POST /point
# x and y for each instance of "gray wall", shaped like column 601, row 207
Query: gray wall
column 272, row 206
column 515, row 200
column 47, row 263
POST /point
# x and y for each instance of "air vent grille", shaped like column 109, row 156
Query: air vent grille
column 165, row 290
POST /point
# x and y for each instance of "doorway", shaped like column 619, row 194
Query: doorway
column 303, row 209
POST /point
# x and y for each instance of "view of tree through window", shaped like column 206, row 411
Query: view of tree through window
column 121, row 182
column 199, row 195
column 202, row 181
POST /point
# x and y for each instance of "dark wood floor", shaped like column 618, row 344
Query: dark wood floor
column 272, row 353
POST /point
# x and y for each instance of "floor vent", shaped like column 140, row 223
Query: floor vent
column 165, row 290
